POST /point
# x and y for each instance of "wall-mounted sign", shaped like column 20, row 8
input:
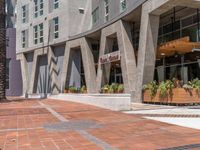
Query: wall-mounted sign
column 111, row 57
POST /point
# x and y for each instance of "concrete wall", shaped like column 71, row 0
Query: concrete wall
column 29, row 60
column 114, row 9
column 59, row 55
column 43, row 80
column 74, row 69
column 15, row 79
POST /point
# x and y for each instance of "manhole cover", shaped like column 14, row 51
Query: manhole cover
column 185, row 147
column 72, row 125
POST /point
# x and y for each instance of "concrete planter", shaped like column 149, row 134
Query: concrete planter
column 116, row 102
column 180, row 96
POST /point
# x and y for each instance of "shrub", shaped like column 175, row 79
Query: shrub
column 83, row 89
column 73, row 89
column 105, row 88
column 166, row 88
column 113, row 88
column 120, row 88
column 153, row 87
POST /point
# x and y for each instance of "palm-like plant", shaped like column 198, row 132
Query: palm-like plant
column 2, row 50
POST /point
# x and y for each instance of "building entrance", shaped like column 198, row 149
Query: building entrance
column 116, row 73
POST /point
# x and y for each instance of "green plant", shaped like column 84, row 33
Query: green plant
column 105, row 88
column 195, row 84
column 83, row 89
column 113, row 88
column 170, row 87
column 73, row 89
column 120, row 88
column 166, row 88
column 163, row 89
column 153, row 87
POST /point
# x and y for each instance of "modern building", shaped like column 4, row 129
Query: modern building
column 63, row 43
column 13, row 69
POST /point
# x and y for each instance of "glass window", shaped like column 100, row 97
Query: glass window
column 95, row 15
column 23, row 39
column 41, row 32
column 122, row 5
column 106, row 4
column 192, row 32
column 25, row 14
column 56, row 27
column 35, row 34
column 38, row 33
column 55, row 4
column 187, row 21
column 39, row 6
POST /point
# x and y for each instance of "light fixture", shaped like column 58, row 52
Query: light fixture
column 81, row 10
column 195, row 50
column 162, row 54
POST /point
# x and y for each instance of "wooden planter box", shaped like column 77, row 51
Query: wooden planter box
column 180, row 96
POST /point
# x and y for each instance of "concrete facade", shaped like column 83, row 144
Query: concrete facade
column 14, row 79
column 76, row 39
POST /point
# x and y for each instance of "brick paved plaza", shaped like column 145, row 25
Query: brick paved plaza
column 59, row 125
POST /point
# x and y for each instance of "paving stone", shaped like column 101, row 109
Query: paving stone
column 87, row 128
column 72, row 125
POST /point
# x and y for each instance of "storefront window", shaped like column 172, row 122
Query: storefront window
column 191, row 32
column 182, row 67
column 116, row 73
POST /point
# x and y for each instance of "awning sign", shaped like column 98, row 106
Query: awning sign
column 111, row 57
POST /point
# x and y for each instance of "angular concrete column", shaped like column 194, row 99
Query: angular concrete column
column 100, row 67
column 24, row 70
column 54, row 84
column 128, row 64
column 128, row 61
column 32, row 81
column 103, row 72
column 147, row 49
column 65, row 66
column 88, row 63
column 106, row 67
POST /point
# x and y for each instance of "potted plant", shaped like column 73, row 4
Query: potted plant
column 120, row 88
column 172, row 92
column 83, row 89
column 166, row 90
column 105, row 88
column 66, row 90
column 73, row 89
column 113, row 88
column 152, row 87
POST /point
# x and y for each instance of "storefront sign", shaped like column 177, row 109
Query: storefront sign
column 111, row 57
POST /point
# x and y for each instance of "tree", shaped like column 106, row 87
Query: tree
column 2, row 50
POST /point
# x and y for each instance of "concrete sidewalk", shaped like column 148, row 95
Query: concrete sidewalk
column 187, row 116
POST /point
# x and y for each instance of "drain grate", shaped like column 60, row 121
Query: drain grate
column 185, row 147
column 72, row 125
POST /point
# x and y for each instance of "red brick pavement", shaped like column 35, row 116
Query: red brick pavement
column 21, row 128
